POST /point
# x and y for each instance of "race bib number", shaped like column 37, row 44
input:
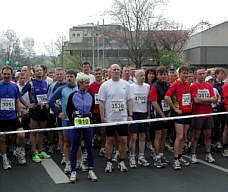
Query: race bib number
column 96, row 99
column 203, row 93
column 140, row 98
column 42, row 99
column 186, row 99
column 165, row 106
column 117, row 106
column 7, row 104
column 81, row 121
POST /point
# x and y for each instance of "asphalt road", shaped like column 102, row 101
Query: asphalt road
column 196, row 178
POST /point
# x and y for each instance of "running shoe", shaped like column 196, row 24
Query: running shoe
column 219, row 145
column 158, row 163
column 102, row 152
column 21, row 159
column 73, row 176
column 194, row 159
column 44, row 155
column 82, row 166
column 36, row 158
column 122, row 167
column 176, row 165
column 225, row 153
column 109, row 167
column 165, row 161
column 183, row 162
column 209, row 158
column 132, row 162
column 115, row 157
column 6, row 164
column 67, row 168
column 92, row 176
column 142, row 161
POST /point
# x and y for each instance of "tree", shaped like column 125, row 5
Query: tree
column 138, row 18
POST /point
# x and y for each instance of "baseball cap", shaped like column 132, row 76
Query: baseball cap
column 208, row 78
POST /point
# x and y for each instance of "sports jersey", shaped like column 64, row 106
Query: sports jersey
column 180, row 91
column 94, row 89
column 115, row 95
column 61, row 93
column 225, row 94
column 204, row 90
column 140, row 97
column 37, row 91
column 157, row 94
column 8, row 95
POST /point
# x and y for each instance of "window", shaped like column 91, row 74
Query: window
column 78, row 35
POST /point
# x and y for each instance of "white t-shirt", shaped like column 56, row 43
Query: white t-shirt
column 140, row 97
column 216, row 95
column 25, row 96
column 49, row 80
column 91, row 78
column 115, row 95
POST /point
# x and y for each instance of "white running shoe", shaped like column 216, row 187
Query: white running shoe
column 92, row 176
column 122, row 167
column 109, row 167
column 132, row 162
column 115, row 157
column 225, row 153
column 142, row 161
column 6, row 164
column 194, row 159
column 73, row 176
column 209, row 158
column 67, row 168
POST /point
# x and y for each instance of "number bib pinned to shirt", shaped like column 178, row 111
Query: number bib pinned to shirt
column 81, row 121
column 140, row 98
column 186, row 99
column 165, row 106
column 117, row 105
column 203, row 93
column 7, row 104
column 42, row 99
column 96, row 99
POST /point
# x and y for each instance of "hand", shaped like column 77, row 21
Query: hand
column 58, row 106
column 24, row 112
column 103, row 120
column 32, row 106
column 129, row 118
column 178, row 111
column 62, row 116
column 214, row 100
column 47, row 106
column 148, row 116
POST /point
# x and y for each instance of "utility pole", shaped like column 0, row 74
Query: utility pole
column 103, row 46
column 93, row 44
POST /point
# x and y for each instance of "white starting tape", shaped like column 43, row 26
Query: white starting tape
column 112, row 124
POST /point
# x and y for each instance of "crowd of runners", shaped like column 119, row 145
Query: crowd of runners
column 40, row 98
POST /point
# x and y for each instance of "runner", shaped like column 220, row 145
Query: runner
column 38, row 111
column 203, row 96
column 180, row 91
column 10, row 106
column 86, row 70
column 225, row 132
column 157, row 94
column 140, row 91
column 115, row 105
column 62, row 94
column 79, row 111
column 93, row 90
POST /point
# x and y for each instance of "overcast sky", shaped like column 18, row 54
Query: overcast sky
column 44, row 20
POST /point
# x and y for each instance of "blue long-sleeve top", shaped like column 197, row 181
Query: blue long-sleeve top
column 61, row 93
column 80, row 101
